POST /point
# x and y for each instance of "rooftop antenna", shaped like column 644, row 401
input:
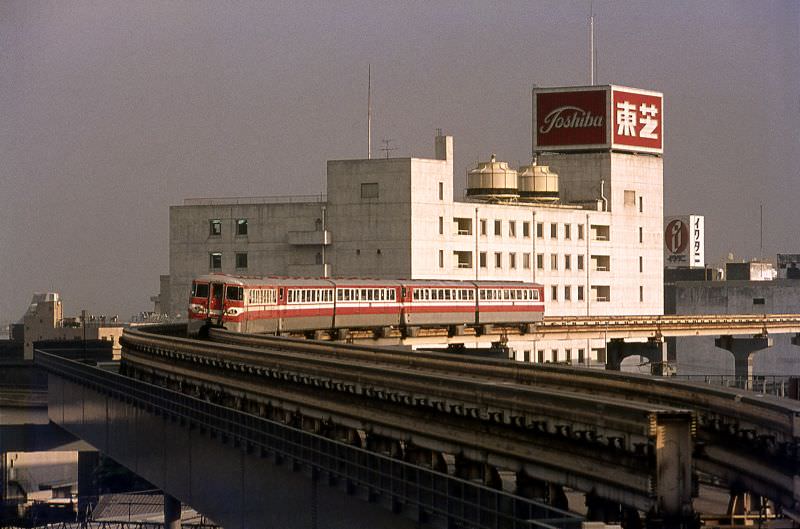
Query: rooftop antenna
column 369, row 112
column 386, row 148
column 591, row 42
column 761, row 243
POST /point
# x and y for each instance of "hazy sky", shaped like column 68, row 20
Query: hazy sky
column 111, row 111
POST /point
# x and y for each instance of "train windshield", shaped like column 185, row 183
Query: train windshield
column 234, row 293
column 199, row 290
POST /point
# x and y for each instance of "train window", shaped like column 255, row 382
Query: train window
column 200, row 290
column 415, row 295
column 363, row 294
column 375, row 295
column 383, row 295
column 339, row 294
column 280, row 293
column 234, row 293
column 482, row 294
column 536, row 295
column 447, row 294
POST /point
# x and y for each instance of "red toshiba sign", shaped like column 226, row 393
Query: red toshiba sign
column 571, row 118
column 597, row 118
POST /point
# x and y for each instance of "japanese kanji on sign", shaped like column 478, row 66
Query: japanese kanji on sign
column 591, row 118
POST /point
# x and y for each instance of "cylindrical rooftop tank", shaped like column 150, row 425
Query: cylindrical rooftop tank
column 538, row 183
column 492, row 180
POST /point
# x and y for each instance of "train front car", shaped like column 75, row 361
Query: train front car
column 509, row 302
column 215, row 300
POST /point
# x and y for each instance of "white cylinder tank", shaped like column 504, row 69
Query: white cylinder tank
column 492, row 180
column 538, row 183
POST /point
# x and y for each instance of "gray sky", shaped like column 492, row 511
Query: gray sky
column 114, row 110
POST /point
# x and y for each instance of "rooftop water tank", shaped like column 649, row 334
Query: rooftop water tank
column 492, row 180
column 538, row 183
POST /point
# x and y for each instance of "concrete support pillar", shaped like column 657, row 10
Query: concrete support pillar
column 617, row 349
column 743, row 349
column 673, row 449
column 172, row 512
column 88, row 461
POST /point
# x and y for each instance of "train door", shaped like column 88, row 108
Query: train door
column 215, row 301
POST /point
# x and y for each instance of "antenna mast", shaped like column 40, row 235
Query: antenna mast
column 369, row 111
column 591, row 42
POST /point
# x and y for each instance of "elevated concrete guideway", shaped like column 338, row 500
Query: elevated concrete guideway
column 606, row 327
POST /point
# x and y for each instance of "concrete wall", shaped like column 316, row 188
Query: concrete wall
column 701, row 356
column 223, row 482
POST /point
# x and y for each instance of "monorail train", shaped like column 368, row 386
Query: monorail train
column 270, row 305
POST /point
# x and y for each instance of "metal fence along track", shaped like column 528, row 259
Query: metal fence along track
column 404, row 486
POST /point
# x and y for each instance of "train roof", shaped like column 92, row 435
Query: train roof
column 251, row 281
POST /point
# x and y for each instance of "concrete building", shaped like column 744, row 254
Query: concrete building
column 594, row 241
column 44, row 322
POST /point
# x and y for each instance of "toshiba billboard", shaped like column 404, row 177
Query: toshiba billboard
column 597, row 118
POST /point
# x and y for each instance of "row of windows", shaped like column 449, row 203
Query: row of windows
column 455, row 294
column 366, row 294
column 311, row 295
column 215, row 227
column 215, row 260
column 263, row 296
column 513, row 294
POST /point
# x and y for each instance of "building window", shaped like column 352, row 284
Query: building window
column 629, row 198
column 215, row 260
column 601, row 293
column 498, row 227
column 601, row 232
column 512, row 261
column 553, row 230
column 483, row 226
column 215, row 227
column 641, row 294
column 568, row 231
column 567, row 262
column 540, row 230
column 526, row 261
column 641, row 264
column 241, row 227
column 580, row 262
column 441, row 225
column 567, row 293
column 540, row 261
column 553, row 261
column 463, row 259
column 601, row 263
column 463, row 225
column 580, row 232
column 441, row 258
column 441, row 190
column 554, row 293
column 641, row 204
column 369, row 190
column 241, row 260
column 526, row 229
column 641, row 235
column 581, row 356
column 568, row 355
column 482, row 259
column 498, row 260
column 554, row 355
column 512, row 228
column 758, row 301
column 540, row 356
column 580, row 293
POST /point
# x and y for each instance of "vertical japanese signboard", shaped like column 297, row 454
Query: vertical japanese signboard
column 598, row 118
column 684, row 241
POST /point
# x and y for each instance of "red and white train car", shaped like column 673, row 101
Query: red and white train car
column 269, row 305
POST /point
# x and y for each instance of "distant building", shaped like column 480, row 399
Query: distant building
column 750, row 288
column 585, row 221
column 44, row 321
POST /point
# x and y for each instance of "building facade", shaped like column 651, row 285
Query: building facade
column 596, row 244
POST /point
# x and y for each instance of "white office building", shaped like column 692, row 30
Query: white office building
column 592, row 234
